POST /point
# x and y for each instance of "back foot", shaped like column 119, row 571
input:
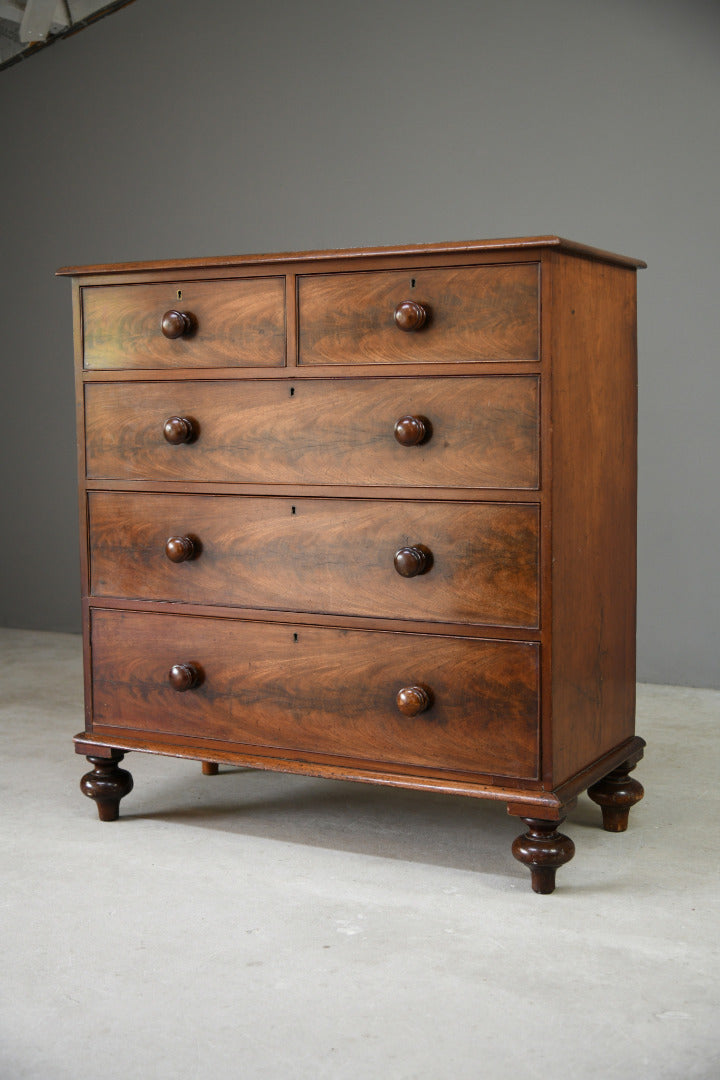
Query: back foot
column 616, row 794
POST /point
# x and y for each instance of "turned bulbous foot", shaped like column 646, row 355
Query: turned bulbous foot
column 107, row 784
column 616, row 794
column 543, row 849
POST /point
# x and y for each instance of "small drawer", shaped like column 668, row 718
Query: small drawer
column 479, row 432
column 443, row 562
column 189, row 324
column 447, row 315
column 436, row 702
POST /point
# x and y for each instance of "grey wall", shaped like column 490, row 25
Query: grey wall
column 175, row 128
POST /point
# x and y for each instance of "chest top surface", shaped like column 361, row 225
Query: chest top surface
column 465, row 247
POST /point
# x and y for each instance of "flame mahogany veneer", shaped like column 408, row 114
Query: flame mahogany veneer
column 366, row 514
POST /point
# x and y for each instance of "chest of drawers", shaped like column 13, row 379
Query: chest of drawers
column 366, row 514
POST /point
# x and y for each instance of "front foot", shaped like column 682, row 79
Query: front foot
column 616, row 794
column 107, row 784
column 543, row 849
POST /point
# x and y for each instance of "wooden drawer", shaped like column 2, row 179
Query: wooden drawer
column 471, row 313
column 320, row 690
column 320, row 555
column 238, row 322
column 481, row 432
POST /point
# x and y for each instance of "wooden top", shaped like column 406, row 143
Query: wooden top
column 459, row 248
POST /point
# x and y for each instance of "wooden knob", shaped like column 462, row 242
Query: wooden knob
column 180, row 548
column 176, row 323
column 178, row 429
column 412, row 700
column 410, row 316
column 410, row 430
column 184, row 677
column 411, row 561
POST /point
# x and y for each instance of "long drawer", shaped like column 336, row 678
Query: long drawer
column 237, row 322
column 477, row 562
column 438, row 315
column 476, row 431
column 448, row 703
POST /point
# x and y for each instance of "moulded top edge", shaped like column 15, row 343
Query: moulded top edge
column 460, row 247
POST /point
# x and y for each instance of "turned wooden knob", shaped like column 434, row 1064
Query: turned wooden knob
column 410, row 316
column 411, row 561
column 178, row 429
column 410, row 430
column 412, row 700
column 180, row 548
column 184, row 677
column 176, row 323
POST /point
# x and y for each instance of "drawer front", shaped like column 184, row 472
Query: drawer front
column 480, row 432
column 231, row 323
column 320, row 690
column 474, row 313
column 320, row 555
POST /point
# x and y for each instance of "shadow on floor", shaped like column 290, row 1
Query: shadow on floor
column 413, row 826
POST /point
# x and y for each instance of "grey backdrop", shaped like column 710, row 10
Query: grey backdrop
column 175, row 128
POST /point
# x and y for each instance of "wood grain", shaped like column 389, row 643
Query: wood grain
column 320, row 555
column 594, row 456
column 474, row 313
column 326, row 691
column 237, row 323
column 335, row 431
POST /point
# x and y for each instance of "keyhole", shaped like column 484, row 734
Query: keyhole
column 295, row 637
column 412, row 283
column 293, row 509
column 292, row 391
column 179, row 294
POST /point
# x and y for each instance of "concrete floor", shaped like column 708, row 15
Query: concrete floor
column 260, row 926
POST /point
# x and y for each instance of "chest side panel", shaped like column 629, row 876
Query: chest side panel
column 594, row 491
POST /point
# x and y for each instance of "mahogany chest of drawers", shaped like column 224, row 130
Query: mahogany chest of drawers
column 366, row 514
